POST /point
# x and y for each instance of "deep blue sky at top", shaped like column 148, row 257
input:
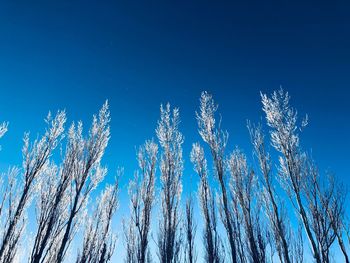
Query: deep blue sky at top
column 75, row 54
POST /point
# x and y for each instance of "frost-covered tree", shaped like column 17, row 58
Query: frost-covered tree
column 190, row 229
column 141, row 191
column 211, row 240
column 217, row 141
column 52, row 203
column 99, row 240
column 64, row 190
column 130, row 242
column 325, row 203
column 244, row 189
column 87, row 172
column 51, row 208
column 35, row 162
column 10, row 192
column 283, row 121
column 333, row 196
column 171, row 168
column 297, row 244
column 273, row 206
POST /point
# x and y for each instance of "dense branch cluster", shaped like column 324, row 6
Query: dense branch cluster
column 274, row 207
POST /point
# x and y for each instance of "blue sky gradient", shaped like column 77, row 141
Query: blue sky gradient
column 74, row 55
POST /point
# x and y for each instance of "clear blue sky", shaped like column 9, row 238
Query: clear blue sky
column 75, row 54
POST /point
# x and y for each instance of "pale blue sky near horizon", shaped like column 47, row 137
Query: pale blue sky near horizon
column 74, row 55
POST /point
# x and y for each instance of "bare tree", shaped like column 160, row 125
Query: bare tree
column 171, row 167
column 282, row 119
column 51, row 216
column 130, row 242
column 333, row 201
column 10, row 195
column 274, row 208
column 211, row 239
column 240, row 237
column 217, row 140
column 297, row 246
column 87, row 173
column 80, row 166
column 190, row 228
column 35, row 161
column 325, row 199
column 99, row 241
column 141, row 191
column 243, row 186
column 318, row 201
column 53, row 201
